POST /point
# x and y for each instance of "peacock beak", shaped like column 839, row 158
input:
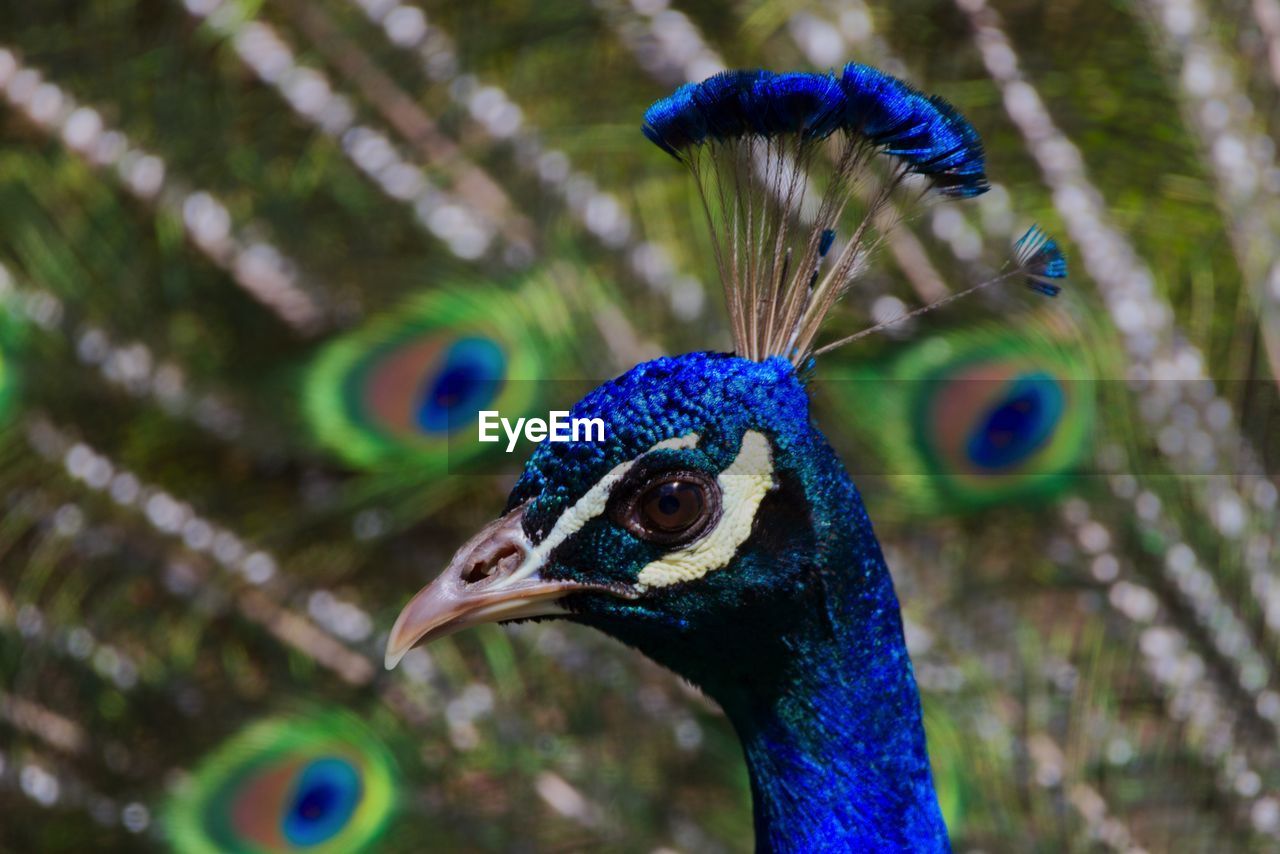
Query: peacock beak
column 491, row 579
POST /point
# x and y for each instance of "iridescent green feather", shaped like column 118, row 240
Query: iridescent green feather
column 8, row 383
column 318, row 782
column 10, row 339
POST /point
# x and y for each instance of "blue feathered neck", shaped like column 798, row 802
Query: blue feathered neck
column 800, row 639
column 832, row 729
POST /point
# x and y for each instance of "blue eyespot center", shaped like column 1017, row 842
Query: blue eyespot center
column 1019, row 424
column 326, row 796
column 469, row 377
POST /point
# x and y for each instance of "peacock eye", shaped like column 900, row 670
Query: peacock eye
column 674, row 508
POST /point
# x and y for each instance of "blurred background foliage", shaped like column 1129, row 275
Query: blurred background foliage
column 202, row 201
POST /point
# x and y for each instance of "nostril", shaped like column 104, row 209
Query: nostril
column 502, row 560
column 478, row 571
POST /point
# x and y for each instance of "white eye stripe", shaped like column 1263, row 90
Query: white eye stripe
column 743, row 486
column 676, row 443
column 586, row 508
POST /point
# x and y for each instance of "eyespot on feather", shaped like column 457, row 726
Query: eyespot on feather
column 321, row 783
column 404, row 387
column 974, row 418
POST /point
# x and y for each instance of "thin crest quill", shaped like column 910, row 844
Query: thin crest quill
column 1037, row 259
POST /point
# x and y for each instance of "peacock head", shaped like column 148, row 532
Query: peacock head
column 704, row 521
column 685, row 529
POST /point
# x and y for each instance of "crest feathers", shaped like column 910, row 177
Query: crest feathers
column 752, row 140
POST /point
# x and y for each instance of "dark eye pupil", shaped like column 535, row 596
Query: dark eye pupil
column 673, row 506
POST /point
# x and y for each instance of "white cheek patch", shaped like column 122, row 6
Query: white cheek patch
column 743, row 486
column 586, row 508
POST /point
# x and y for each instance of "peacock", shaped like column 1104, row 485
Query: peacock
column 261, row 261
column 714, row 529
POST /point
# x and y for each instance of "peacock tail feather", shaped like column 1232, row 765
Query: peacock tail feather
column 317, row 782
column 975, row 417
column 405, row 388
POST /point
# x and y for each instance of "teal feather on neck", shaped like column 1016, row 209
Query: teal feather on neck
column 834, row 737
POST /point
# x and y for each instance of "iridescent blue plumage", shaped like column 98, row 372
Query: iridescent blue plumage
column 654, row 401
column 674, row 123
column 925, row 132
column 811, row 105
column 798, row 638
column 772, row 595
column 754, row 141
column 878, row 105
column 727, row 103
column 733, row 104
column 824, row 244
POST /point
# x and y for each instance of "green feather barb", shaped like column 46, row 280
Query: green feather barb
column 11, row 331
